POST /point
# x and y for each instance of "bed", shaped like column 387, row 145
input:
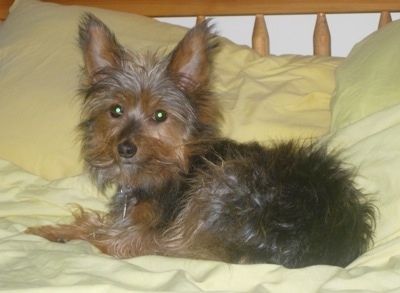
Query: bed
column 353, row 102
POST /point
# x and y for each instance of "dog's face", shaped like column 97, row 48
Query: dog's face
column 142, row 111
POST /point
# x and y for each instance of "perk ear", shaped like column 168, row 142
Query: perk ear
column 99, row 46
column 191, row 61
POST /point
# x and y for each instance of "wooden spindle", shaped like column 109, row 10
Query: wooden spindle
column 260, row 37
column 384, row 19
column 200, row 19
column 322, row 36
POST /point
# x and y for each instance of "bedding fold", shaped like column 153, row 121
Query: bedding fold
column 31, row 262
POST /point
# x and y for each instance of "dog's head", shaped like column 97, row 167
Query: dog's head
column 142, row 112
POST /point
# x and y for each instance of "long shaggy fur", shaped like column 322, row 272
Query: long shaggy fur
column 150, row 128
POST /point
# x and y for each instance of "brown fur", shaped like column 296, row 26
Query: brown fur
column 150, row 128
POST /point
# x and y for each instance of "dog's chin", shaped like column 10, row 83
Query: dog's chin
column 133, row 172
column 127, row 163
column 115, row 173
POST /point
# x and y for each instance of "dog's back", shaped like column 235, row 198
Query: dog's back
column 291, row 204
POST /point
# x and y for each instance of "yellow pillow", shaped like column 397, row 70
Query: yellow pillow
column 39, row 80
column 368, row 81
column 278, row 97
column 263, row 98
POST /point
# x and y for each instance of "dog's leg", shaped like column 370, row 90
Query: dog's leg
column 85, row 227
column 121, row 239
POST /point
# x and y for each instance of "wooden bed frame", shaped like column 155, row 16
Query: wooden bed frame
column 259, row 8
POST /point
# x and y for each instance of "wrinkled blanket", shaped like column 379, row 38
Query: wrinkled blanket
column 30, row 263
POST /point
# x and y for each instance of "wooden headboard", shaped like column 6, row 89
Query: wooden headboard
column 258, row 8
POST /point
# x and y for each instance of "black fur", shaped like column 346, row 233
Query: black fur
column 183, row 191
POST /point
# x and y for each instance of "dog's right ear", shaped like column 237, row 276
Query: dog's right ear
column 191, row 61
column 99, row 46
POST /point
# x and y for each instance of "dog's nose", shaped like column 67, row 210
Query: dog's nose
column 127, row 150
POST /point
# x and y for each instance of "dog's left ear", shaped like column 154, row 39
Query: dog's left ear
column 191, row 61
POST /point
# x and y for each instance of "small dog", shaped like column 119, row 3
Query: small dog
column 150, row 128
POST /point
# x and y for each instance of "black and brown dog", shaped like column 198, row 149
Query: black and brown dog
column 150, row 128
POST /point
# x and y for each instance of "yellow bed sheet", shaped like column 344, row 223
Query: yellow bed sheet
column 29, row 263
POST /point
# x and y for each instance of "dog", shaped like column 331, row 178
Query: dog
column 150, row 129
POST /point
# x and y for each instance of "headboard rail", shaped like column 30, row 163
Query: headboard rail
column 157, row 8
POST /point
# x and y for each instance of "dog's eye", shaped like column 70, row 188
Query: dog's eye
column 160, row 116
column 116, row 111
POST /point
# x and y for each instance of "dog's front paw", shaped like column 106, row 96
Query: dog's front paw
column 52, row 233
